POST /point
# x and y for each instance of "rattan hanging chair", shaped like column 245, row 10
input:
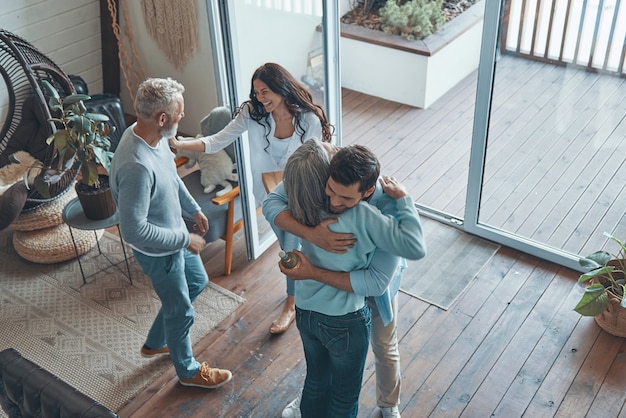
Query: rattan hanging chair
column 26, row 124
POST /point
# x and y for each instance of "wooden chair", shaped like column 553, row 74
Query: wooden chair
column 271, row 179
column 224, row 212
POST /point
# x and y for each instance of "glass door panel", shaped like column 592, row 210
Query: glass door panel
column 552, row 180
column 413, row 104
column 255, row 32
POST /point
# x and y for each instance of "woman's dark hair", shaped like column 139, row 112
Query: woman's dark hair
column 297, row 98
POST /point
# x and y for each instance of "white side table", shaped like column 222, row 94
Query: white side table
column 74, row 217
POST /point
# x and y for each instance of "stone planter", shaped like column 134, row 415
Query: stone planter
column 416, row 73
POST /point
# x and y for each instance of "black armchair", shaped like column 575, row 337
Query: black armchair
column 106, row 104
column 224, row 212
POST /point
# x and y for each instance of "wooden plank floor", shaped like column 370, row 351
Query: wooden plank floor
column 511, row 345
column 555, row 158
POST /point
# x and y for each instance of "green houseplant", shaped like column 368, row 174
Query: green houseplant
column 81, row 141
column 412, row 19
column 422, row 70
column 604, row 296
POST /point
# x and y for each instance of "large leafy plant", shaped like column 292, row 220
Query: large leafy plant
column 605, row 279
column 81, row 138
column 82, row 135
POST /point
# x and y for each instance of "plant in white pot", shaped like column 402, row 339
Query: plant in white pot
column 604, row 296
column 410, row 40
column 81, row 139
column 413, row 20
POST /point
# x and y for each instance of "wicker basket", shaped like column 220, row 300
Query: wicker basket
column 54, row 244
column 613, row 320
column 46, row 215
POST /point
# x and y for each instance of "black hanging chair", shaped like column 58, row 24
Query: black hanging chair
column 26, row 124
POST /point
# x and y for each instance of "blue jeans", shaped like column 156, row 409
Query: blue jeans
column 335, row 349
column 177, row 279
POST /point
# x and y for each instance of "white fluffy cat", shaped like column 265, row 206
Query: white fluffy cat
column 215, row 169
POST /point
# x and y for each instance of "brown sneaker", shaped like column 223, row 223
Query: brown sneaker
column 208, row 378
column 149, row 352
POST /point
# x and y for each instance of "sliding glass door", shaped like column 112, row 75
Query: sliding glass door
column 249, row 33
column 546, row 173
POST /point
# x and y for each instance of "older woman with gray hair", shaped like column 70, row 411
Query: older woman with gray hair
column 329, row 317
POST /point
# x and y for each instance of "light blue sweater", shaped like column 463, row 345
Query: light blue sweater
column 150, row 196
column 401, row 236
column 382, row 279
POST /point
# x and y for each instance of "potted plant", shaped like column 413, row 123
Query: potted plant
column 393, row 63
column 81, row 139
column 606, row 285
column 413, row 20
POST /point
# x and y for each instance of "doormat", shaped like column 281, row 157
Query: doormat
column 453, row 259
column 89, row 335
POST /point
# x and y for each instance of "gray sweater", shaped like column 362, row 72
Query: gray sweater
column 150, row 196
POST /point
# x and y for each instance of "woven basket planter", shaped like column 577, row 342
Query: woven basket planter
column 46, row 215
column 53, row 244
column 613, row 320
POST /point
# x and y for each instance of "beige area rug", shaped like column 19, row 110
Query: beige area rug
column 90, row 334
column 453, row 259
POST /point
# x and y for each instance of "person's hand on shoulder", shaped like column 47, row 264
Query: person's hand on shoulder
column 333, row 242
column 174, row 142
column 392, row 187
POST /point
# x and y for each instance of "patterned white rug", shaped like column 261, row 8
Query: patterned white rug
column 89, row 335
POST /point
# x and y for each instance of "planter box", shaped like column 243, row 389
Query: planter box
column 416, row 73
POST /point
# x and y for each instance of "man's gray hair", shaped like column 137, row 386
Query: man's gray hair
column 156, row 95
column 304, row 178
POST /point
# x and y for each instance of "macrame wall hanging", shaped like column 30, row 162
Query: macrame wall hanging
column 173, row 24
column 130, row 64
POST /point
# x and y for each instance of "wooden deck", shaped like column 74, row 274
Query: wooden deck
column 510, row 346
column 555, row 164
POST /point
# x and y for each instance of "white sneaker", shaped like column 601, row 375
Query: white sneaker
column 391, row 412
column 293, row 409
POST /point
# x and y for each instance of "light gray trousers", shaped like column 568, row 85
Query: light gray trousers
column 384, row 341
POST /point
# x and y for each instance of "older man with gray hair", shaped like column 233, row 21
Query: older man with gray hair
column 150, row 198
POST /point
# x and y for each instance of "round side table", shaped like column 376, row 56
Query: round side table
column 74, row 217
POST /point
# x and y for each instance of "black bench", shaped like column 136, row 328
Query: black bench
column 27, row 390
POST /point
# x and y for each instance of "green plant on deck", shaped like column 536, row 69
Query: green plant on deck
column 81, row 138
column 412, row 19
column 605, row 279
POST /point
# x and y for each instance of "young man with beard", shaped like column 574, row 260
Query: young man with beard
column 150, row 198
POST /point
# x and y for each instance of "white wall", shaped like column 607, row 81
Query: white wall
column 197, row 76
column 68, row 31
column 270, row 34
